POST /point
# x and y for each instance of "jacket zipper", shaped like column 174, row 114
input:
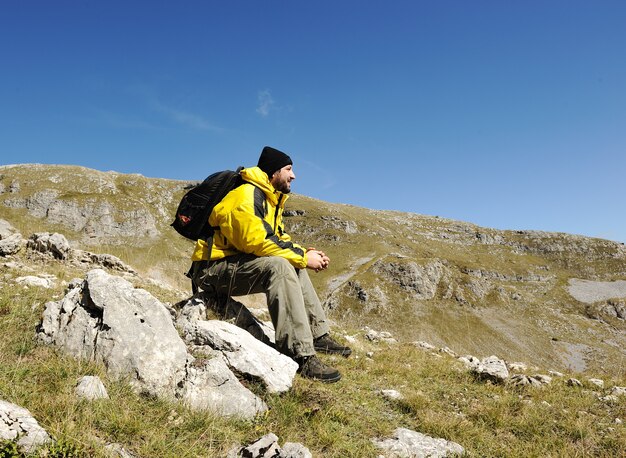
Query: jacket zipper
column 280, row 199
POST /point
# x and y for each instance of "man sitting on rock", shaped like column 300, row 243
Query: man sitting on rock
column 251, row 253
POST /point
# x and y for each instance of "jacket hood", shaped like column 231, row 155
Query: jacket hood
column 259, row 178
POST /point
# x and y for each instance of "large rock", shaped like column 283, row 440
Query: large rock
column 244, row 353
column 411, row 444
column 17, row 423
column 211, row 385
column 131, row 332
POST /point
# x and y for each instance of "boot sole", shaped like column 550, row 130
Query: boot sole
column 329, row 351
column 325, row 380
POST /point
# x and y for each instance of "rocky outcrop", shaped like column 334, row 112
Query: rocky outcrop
column 57, row 246
column 105, row 319
column 17, row 424
column 420, row 281
column 411, row 444
column 95, row 217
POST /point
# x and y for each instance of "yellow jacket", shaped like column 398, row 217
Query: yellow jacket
column 250, row 220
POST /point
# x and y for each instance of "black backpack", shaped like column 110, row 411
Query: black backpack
column 192, row 215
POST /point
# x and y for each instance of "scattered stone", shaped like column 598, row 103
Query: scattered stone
column 11, row 244
column 447, row 351
column 609, row 398
column 546, row 403
column 54, row 244
column 471, row 362
column 544, row 379
column 493, row 369
column 102, row 260
column 574, row 382
column 295, row 450
column 350, row 339
column 38, row 282
column 376, row 336
column 518, row 367
column 617, row 421
column 406, row 443
column 597, row 382
column 117, row 451
column 424, row 345
column 6, row 230
column 369, row 354
column 556, row 374
column 392, row 395
column 267, row 447
column 17, row 424
column 294, row 213
column 524, row 380
column 91, row 388
column 618, row 391
column 245, row 354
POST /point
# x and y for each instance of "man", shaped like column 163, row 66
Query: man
column 251, row 253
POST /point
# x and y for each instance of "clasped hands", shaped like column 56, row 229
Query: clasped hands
column 316, row 259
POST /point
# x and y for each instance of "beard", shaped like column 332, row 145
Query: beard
column 284, row 187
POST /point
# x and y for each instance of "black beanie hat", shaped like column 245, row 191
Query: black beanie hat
column 272, row 160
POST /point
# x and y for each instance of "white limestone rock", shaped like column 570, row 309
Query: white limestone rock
column 17, row 423
column 244, row 353
column 91, row 387
column 493, row 369
column 411, row 444
column 596, row 382
column 11, row 244
column 471, row 362
column 211, row 385
column 54, row 244
column 108, row 320
column 42, row 281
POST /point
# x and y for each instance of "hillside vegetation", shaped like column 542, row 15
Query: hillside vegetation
column 475, row 291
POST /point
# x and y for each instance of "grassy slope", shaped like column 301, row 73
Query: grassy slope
column 441, row 398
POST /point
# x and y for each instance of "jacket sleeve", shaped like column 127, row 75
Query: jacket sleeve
column 246, row 228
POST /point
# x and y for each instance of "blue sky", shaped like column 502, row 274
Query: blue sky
column 506, row 114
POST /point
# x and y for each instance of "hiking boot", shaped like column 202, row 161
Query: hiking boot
column 325, row 344
column 312, row 367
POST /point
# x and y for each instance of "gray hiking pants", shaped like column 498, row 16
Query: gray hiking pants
column 296, row 311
